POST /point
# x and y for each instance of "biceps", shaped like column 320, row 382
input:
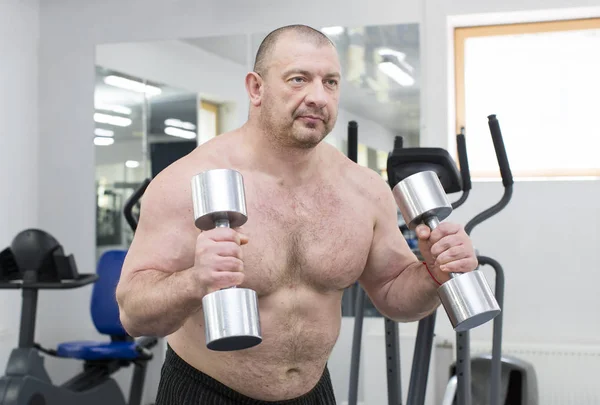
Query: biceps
column 162, row 247
column 389, row 256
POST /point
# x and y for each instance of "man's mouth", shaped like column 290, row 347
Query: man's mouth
column 312, row 117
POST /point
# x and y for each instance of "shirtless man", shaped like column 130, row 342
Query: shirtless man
column 317, row 222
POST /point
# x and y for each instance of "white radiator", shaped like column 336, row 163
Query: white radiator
column 566, row 374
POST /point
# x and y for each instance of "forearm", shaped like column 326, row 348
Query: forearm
column 155, row 303
column 410, row 296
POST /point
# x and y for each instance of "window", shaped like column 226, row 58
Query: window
column 542, row 82
column 209, row 121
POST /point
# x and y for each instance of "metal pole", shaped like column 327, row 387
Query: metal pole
column 421, row 361
column 463, row 367
column 356, row 346
column 28, row 317
column 392, row 352
column 496, row 366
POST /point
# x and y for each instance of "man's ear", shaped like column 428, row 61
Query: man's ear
column 254, row 87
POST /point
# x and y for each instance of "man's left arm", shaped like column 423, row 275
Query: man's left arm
column 397, row 282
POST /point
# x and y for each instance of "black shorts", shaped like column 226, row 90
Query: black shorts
column 182, row 384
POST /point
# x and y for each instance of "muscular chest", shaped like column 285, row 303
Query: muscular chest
column 319, row 238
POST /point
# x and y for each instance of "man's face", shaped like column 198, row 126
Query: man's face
column 301, row 92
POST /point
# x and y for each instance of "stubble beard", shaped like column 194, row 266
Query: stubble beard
column 293, row 133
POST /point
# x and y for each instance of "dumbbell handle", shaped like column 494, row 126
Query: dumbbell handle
column 223, row 223
column 432, row 222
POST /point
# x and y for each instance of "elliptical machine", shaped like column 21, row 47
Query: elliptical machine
column 36, row 261
column 492, row 370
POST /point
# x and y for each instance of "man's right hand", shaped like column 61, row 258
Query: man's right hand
column 218, row 260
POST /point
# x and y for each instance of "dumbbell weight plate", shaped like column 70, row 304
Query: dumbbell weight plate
column 468, row 300
column 219, row 194
column 231, row 319
column 420, row 197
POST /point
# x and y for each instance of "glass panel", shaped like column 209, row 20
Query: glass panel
column 119, row 118
column 173, row 129
column 381, row 88
column 140, row 128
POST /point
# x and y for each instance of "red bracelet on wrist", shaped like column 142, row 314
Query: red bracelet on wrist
column 434, row 279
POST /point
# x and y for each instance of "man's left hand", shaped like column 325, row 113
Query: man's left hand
column 447, row 249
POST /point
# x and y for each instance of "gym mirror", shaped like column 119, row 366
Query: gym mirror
column 156, row 100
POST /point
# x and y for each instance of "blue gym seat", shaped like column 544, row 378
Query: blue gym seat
column 105, row 315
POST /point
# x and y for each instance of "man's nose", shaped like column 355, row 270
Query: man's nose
column 317, row 95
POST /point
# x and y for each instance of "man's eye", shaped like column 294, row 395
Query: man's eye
column 332, row 82
column 298, row 79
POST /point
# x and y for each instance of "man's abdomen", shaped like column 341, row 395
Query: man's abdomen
column 299, row 329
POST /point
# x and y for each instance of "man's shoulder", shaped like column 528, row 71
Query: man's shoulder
column 377, row 189
column 363, row 180
column 368, row 178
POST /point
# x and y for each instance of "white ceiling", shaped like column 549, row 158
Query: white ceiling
column 367, row 92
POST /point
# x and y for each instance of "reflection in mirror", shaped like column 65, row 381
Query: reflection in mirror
column 140, row 128
column 380, row 87
column 381, row 83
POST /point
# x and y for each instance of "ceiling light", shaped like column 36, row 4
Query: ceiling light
column 181, row 133
column 103, row 141
column 174, row 122
column 132, row 85
column 103, row 132
column 112, row 120
column 333, row 30
column 119, row 109
column 397, row 74
column 391, row 52
column 132, row 164
column 400, row 56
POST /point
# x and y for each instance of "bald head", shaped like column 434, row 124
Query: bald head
column 294, row 88
column 303, row 32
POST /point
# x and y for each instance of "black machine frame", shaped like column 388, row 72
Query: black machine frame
column 26, row 378
column 426, row 326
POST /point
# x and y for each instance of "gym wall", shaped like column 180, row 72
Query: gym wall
column 19, row 64
column 47, row 161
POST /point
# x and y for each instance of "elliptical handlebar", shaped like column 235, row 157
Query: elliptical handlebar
column 135, row 197
column 505, row 172
column 461, row 147
column 353, row 141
